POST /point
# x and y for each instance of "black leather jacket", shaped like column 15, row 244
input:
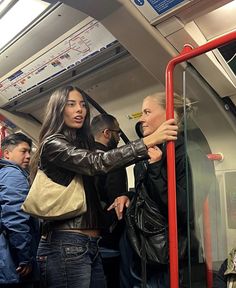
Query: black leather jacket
column 61, row 160
column 154, row 178
column 110, row 186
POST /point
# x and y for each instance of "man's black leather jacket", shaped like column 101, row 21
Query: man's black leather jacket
column 110, row 186
column 61, row 160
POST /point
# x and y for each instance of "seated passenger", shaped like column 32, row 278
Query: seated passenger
column 226, row 276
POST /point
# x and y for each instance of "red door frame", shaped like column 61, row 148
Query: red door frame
column 187, row 53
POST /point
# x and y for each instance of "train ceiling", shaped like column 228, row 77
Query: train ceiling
column 151, row 38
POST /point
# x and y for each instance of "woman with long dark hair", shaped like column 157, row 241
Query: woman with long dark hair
column 68, row 252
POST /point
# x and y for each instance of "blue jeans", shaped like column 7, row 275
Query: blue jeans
column 70, row 260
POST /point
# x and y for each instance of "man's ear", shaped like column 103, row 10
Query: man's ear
column 6, row 154
column 107, row 133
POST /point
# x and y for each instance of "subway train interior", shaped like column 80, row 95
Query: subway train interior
column 118, row 51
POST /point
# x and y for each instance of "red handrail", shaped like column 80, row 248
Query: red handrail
column 2, row 136
column 185, row 55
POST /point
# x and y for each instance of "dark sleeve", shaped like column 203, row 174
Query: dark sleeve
column 220, row 280
column 157, row 183
column 85, row 162
column 116, row 184
column 14, row 220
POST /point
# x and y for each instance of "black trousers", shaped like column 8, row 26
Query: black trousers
column 111, row 268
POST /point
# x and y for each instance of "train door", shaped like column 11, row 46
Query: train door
column 212, row 163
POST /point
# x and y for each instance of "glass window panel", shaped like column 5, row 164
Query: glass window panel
column 209, row 130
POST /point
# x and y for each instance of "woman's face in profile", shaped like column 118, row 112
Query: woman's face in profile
column 153, row 115
column 75, row 110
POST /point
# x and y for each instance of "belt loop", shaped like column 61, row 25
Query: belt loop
column 47, row 237
column 98, row 240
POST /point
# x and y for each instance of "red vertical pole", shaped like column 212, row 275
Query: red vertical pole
column 172, row 210
column 2, row 136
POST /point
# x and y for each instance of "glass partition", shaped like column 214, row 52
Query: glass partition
column 209, row 133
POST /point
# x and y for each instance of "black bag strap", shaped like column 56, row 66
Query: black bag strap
column 143, row 264
column 143, row 249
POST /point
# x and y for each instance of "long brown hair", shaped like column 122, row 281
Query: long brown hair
column 54, row 124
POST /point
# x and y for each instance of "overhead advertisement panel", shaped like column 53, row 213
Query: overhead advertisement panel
column 154, row 9
column 89, row 39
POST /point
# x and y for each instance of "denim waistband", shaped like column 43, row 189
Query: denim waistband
column 64, row 236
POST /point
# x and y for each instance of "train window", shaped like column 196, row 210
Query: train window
column 229, row 54
column 226, row 54
column 230, row 185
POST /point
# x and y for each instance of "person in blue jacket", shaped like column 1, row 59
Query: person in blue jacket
column 19, row 233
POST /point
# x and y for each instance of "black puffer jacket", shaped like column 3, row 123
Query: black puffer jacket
column 61, row 160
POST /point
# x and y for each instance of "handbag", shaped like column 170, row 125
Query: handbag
column 147, row 229
column 51, row 201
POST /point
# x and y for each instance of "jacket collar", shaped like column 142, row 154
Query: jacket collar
column 101, row 146
column 6, row 163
